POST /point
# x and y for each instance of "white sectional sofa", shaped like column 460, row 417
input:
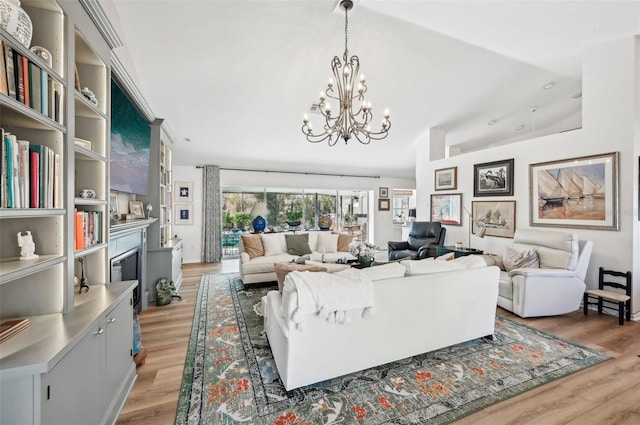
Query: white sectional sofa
column 413, row 315
column 322, row 244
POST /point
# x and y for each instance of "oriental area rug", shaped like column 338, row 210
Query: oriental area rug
column 230, row 376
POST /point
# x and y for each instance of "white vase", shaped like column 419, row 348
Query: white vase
column 15, row 21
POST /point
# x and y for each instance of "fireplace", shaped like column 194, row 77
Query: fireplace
column 126, row 266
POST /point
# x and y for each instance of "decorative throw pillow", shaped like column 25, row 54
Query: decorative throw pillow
column 327, row 242
column 493, row 260
column 274, row 244
column 253, row 245
column 516, row 259
column 298, row 244
column 283, row 269
column 344, row 239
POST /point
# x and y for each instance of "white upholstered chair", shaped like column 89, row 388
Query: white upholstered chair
column 557, row 286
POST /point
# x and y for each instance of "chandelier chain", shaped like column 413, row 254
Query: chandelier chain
column 346, row 25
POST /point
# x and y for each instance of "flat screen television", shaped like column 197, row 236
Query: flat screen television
column 130, row 141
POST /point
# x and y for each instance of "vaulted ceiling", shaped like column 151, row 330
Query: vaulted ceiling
column 233, row 79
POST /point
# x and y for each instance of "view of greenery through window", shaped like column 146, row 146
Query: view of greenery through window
column 293, row 205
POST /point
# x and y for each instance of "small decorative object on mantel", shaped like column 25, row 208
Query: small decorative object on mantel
column 149, row 208
column 363, row 251
column 324, row 222
column 16, row 21
column 27, row 246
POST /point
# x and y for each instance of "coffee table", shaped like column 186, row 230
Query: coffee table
column 457, row 252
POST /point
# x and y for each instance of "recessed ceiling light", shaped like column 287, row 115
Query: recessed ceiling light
column 520, row 127
column 549, row 86
column 577, row 95
column 186, row 139
column 492, row 122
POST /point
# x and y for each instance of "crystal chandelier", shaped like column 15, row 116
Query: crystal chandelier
column 354, row 116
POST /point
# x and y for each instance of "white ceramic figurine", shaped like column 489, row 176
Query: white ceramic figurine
column 27, row 247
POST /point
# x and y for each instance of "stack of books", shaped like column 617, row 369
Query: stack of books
column 11, row 327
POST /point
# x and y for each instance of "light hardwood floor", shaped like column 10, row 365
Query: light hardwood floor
column 608, row 393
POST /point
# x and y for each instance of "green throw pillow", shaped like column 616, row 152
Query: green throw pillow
column 298, row 244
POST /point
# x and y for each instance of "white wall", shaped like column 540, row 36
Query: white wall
column 381, row 222
column 610, row 123
column 191, row 234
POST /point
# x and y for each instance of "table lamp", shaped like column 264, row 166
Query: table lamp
column 259, row 210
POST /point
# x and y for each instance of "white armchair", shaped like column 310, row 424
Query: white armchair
column 557, row 286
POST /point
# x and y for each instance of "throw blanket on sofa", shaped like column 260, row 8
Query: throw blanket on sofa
column 328, row 295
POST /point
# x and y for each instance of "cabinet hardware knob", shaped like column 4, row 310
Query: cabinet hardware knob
column 100, row 331
column 112, row 320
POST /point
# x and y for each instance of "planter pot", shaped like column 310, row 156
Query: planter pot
column 365, row 261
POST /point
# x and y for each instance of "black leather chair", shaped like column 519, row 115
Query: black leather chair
column 424, row 236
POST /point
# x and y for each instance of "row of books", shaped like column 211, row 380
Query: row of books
column 29, row 84
column 88, row 229
column 30, row 174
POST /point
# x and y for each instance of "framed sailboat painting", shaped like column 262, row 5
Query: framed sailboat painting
column 494, row 218
column 576, row 192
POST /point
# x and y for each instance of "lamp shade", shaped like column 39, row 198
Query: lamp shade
column 259, row 209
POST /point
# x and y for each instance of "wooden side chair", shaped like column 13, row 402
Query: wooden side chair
column 613, row 279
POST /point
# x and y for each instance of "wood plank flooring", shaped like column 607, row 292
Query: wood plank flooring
column 608, row 393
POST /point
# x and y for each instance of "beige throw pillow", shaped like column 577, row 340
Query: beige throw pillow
column 327, row 242
column 253, row 245
column 515, row 259
column 274, row 244
column 344, row 240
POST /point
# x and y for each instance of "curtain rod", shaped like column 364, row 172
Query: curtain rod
column 294, row 172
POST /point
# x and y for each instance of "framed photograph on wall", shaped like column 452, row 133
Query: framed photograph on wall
column 446, row 179
column 497, row 218
column 383, row 192
column 183, row 214
column 447, row 209
column 137, row 209
column 184, row 192
column 576, row 192
column 384, row 205
column 493, row 178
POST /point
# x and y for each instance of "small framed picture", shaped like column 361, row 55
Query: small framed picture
column 493, row 178
column 184, row 214
column 384, row 205
column 137, row 209
column 447, row 209
column 446, row 179
column 184, row 191
column 383, row 192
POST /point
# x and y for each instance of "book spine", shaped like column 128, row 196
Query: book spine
column 17, row 60
column 79, row 235
column 11, row 75
column 25, row 78
column 3, row 72
column 23, row 172
column 44, row 92
column 35, row 179
column 35, row 86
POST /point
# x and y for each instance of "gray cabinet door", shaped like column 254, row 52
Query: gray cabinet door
column 71, row 391
column 119, row 349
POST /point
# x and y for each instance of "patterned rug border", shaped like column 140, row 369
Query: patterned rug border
column 190, row 402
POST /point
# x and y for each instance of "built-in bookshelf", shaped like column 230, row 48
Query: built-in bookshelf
column 55, row 144
column 164, row 251
column 160, row 186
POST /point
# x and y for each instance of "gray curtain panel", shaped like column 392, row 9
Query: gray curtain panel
column 212, row 223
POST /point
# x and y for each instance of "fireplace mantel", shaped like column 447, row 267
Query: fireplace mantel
column 131, row 235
